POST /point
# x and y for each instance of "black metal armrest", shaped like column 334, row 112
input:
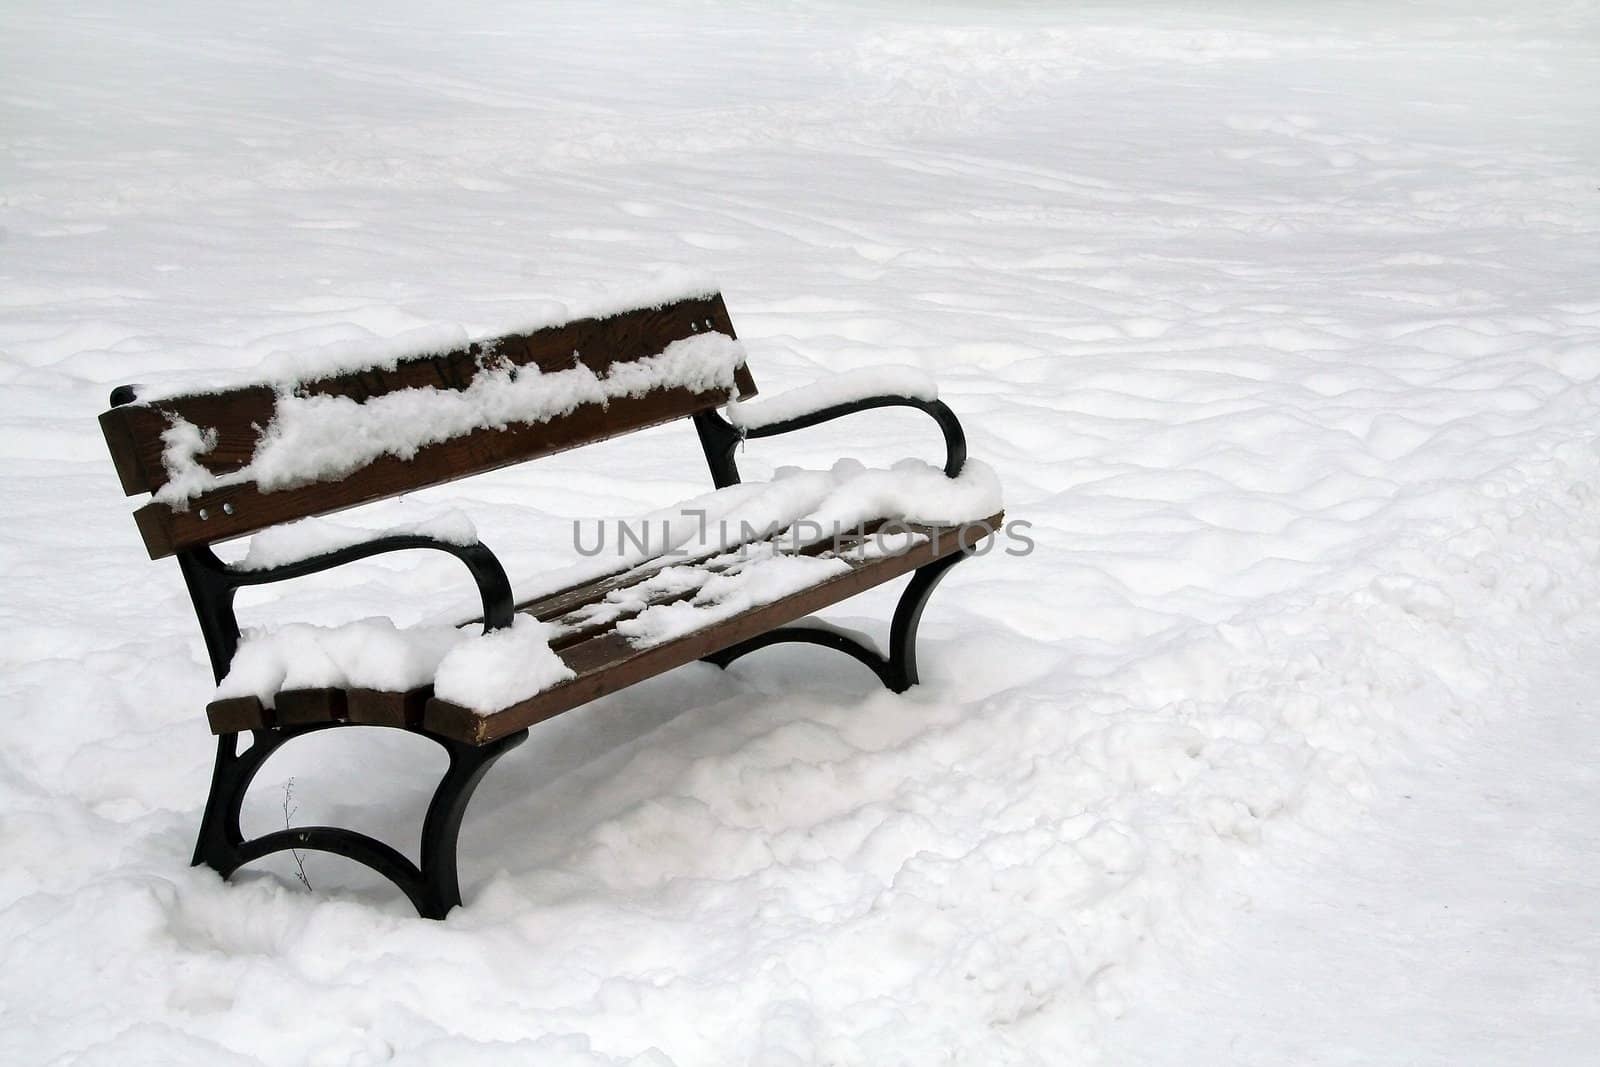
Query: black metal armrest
column 720, row 438
column 212, row 584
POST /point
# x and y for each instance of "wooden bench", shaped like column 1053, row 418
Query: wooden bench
column 223, row 464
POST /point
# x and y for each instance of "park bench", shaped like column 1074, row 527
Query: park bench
column 228, row 462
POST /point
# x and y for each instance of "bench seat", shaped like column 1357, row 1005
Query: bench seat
column 604, row 661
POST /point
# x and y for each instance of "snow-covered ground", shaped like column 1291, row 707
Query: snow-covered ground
column 1456, row 923
column 1280, row 323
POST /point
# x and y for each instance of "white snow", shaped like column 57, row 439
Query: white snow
column 1277, row 322
column 497, row 669
column 911, row 491
column 322, row 438
column 362, row 654
column 183, row 443
column 759, row 576
column 293, row 542
column 839, row 389
column 1428, row 931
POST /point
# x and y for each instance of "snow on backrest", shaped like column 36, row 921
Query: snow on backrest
column 221, row 464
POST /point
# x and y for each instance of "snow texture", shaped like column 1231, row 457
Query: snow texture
column 363, row 654
column 1278, row 322
column 323, row 438
column 757, row 577
column 911, row 491
column 830, row 392
column 1406, row 937
column 497, row 669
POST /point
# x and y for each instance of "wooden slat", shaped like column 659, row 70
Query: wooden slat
column 133, row 431
column 573, row 631
column 374, row 707
column 166, row 531
column 237, row 714
column 303, row 707
column 609, row 662
column 125, row 453
column 549, row 606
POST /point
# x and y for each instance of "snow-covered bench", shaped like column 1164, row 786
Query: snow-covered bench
column 742, row 568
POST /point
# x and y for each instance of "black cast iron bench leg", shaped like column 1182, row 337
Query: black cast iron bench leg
column 433, row 888
column 897, row 671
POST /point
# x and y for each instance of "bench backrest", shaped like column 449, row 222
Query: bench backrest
column 215, row 461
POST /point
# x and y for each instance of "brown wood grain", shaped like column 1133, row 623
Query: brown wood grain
column 119, row 435
column 375, row 707
column 236, row 714
column 303, row 707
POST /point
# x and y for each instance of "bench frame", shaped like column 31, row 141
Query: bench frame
column 433, row 886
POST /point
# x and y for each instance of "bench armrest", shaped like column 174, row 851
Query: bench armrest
column 212, row 583
column 882, row 387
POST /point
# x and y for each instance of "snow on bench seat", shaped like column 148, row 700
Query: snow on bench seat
column 825, row 535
